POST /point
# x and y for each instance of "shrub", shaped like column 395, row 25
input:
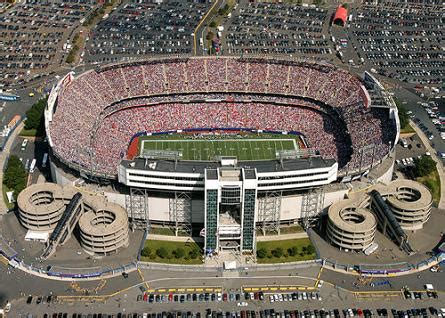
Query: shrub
column 146, row 251
column 293, row 251
column 310, row 249
column 162, row 252
column 179, row 252
column 261, row 253
column 194, row 254
column 278, row 252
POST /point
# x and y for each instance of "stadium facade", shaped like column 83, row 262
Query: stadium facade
column 349, row 126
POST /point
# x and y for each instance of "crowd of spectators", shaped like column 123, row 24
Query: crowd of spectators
column 146, row 28
column 401, row 40
column 98, row 113
column 277, row 28
column 33, row 34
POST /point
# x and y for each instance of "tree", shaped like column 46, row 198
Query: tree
column 278, row 252
column 424, row 166
column 35, row 119
column 162, row 252
column 146, row 251
column 15, row 175
column 310, row 249
column 179, row 252
column 261, row 252
column 293, row 251
column 212, row 24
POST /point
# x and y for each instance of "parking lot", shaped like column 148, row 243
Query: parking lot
column 221, row 305
column 145, row 28
column 34, row 36
column 401, row 41
column 278, row 28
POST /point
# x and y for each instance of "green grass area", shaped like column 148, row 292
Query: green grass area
column 208, row 150
column 283, row 230
column 166, row 231
column 291, row 229
column 432, row 182
column 299, row 245
column 170, row 252
column 28, row 132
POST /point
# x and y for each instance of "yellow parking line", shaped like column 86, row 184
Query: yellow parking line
column 247, row 289
column 199, row 289
column 181, row 289
column 172, row 289
column 273, row 288
column 161, row 290
column 208, row 289
column 255, row 289
column 150, row 291
column 142, row 278
column 190, row 289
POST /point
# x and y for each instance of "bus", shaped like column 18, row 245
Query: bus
column 32, row 167
column 24, row 144
column 44, row 160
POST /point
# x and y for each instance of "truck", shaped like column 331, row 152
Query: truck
column 44, row 160
column 32, row 167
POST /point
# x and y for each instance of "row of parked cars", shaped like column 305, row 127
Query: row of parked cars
column 272, row 313
column 231, row 297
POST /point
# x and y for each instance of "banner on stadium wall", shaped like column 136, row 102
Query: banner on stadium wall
column 9, row 98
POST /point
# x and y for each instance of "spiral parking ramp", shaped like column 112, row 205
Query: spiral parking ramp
column 410, row 203
column 103, row 226
column 41, row 206
column 352, row 222
column 104, row 229
column 350, row 226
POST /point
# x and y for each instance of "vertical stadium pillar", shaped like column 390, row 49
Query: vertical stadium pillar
column 211, row 210
column 249, row 210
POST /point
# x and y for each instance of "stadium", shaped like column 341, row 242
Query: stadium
column 225, row 147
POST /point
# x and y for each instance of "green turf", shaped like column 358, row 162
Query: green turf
column 209, row 149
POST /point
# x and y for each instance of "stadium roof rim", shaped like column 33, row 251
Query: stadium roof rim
column 160, row 59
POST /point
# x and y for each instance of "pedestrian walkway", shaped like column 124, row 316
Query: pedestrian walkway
column 440, row 167
column 291, row 236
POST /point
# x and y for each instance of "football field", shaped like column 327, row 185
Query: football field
column 209, row 150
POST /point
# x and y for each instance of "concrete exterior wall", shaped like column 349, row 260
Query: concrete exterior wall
column 291, row 207
column 158, row 209
column 198, row 211
column 117, row 198
column 386, row 177
column 332, row 197
column 58, row 176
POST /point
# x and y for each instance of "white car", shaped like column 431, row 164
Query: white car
column 271, row 298
column 219, row 297
column 242, row 304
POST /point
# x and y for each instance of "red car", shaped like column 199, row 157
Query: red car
column 360, row 312
column 225, row 297
column 170, row 297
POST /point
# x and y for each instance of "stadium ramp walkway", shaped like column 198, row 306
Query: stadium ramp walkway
column 65, row 226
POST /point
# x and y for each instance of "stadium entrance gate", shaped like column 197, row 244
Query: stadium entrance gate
column 230, row 206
